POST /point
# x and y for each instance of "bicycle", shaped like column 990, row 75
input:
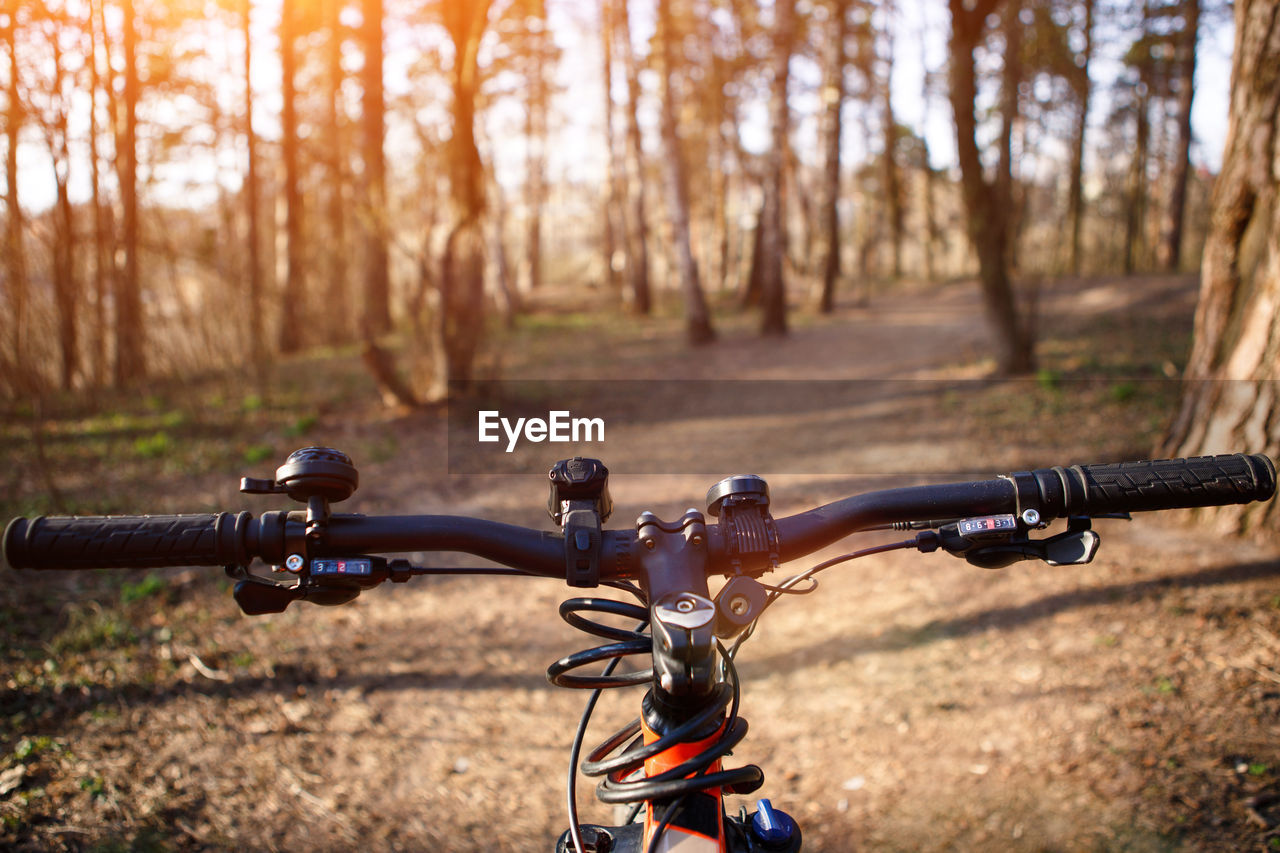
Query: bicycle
column 666, row 765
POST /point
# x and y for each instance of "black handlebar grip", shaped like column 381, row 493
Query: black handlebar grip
column 125, row 542
column 1142, row 486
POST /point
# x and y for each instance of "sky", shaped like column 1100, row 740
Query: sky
column 920, row 46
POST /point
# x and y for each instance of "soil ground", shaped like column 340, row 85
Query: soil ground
column 912, row 702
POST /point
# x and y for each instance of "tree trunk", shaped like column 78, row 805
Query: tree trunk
column 612, row 195
column 933, row 232
column 1135, row 201
column 1075, row 194
column 376, row 315
column 773, row 287
column 892, row 173
column 986, row 207
column 833, row 97
column 130, row 328
column 1171, row 246
column 535, row 141
column 65, row 289
column 498, row 240
column 1010, row 79
column 293, row 313
column 754, row 284
column 103, row 264
column 720, row 147
column 253, row 277
column 461, row 316
column 697, row 317
column 1231, row 401
column 338, row 308
column 638, row 229
column 15, row 251
column 1136, row 188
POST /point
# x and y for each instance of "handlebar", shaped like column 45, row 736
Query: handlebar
column 226, row 539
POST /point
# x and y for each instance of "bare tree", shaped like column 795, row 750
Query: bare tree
column 535, row 135
column 293, row 313
column 698, row 327
column 613, row 224
column 833, row 94
column 987, row 203
column 461, row 315
column 14, row 250
column 130, row 326
column 1232, row 397
column 773, row 290
column 376, row 316
column 103, row 225
column 1171, row 245
column 58, row 139
column 637, row 227
column 338, row 311
column 253, row 276
column 1083, row 88
column 893, row 190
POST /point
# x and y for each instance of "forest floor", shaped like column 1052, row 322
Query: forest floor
column 913, row 702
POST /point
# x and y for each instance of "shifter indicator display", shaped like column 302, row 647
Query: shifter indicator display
column 357, row 566
column 991, row 526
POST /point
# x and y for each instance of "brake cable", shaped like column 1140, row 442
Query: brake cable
column 787, row 587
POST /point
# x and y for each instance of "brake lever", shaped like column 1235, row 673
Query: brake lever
column 1071, row 548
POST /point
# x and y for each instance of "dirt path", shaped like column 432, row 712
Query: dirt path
column 912, row 703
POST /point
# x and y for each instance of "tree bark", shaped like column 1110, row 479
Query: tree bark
column 698, row 327
column 833, row 97
column 376, row 314
column 131, row 330
column 293, row 313
column 637, row 227
column 1171, row 246
column 986, row 205
column 1231, row 400
column 773, row 287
